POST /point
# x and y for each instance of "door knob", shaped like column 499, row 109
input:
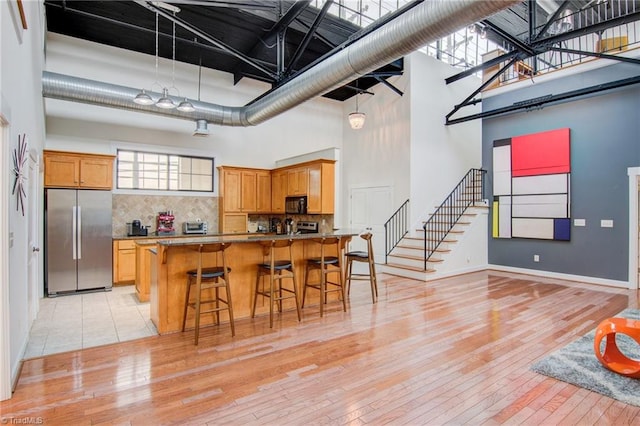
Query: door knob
column 36, row 249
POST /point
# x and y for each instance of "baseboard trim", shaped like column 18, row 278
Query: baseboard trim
column 441, row 275
column 568, row 277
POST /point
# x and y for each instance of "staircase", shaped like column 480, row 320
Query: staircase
column 421, row 254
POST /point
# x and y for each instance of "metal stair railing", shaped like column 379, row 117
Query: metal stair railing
column 396, row 228
column 468, row 191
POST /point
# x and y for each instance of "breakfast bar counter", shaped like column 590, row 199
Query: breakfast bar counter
column 174, row 257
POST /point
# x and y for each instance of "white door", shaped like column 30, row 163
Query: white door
column 370, row 208
column 35, row 288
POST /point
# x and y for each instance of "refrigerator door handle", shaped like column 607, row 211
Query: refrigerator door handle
column 79, row 232
column 74, row 228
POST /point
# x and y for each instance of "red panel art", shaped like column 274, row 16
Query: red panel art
column 541, row 153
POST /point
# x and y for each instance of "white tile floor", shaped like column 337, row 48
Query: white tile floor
column 80, row 321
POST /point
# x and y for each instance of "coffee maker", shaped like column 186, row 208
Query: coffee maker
column 135, row 229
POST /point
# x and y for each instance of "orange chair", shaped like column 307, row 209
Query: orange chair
column 612, row 358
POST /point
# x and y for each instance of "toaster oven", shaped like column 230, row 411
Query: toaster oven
column 194, row 227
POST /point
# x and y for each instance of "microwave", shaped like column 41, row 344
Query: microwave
column 194, row 227
column 296, row 205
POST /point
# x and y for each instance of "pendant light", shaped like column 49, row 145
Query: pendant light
column 165, row 101
column 356, row 118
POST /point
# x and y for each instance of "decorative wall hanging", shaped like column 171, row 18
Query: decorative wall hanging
column 531, row 186
column 19, row 162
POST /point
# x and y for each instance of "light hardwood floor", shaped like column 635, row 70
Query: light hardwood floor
column 454, row 351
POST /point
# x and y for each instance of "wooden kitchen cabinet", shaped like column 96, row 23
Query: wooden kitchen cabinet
column 321, row 195
column 298, row 181
column 234, row 223
column 249, row 191
column 76, row 170
column 243, row 191
column 278, row 190
column 263, row 196
column 124, row 261
column 143, row 268
column 231, row 190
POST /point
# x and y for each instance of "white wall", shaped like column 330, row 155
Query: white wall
column 378, row 154
column 21, row 111
column 440, row 155
column 70, row 124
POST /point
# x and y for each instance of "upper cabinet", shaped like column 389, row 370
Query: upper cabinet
column 255, row 191
column 321, row 195
column 75, row 170
column 244, row 191
column 263, row 195
column 279, row 183
column 298, row 181
column 315, row 179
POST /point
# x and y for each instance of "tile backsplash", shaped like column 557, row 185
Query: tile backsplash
column 146, row 207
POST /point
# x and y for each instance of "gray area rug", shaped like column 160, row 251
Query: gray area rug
column 577, row 364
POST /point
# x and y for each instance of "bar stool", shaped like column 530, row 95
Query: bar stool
column 276, row 270
column 362, row 256
column 205, row 279
column 326, row 265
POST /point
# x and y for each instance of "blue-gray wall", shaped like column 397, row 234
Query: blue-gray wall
column 605, row 141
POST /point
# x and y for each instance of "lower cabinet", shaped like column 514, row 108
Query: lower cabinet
column 143, row 268
column 124, row 261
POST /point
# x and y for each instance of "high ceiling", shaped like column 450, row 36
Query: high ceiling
column 272, row 41
column 257, row 39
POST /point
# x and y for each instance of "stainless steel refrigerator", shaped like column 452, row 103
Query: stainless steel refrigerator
column 78, row 240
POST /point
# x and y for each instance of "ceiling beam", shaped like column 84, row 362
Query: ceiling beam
column 389, row 85
column 307, row 38
column 543, row 100
column 481, row 67
column 515, row 42
column 228, row 4
column 207, row 37
column 468, row 100
column 597, row 55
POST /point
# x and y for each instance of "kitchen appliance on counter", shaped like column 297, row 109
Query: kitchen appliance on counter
column 135, row 229
column 307, row 227
column 78, row 241
column 165, row 223
column 288, row 226
column 275, row 225
column 295, row 205
column 196, row 227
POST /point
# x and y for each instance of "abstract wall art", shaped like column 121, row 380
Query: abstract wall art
column 531, row 186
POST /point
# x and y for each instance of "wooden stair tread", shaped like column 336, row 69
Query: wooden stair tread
column 446, row 240
column 438, row 250
column 420, row 258
column 409, row 268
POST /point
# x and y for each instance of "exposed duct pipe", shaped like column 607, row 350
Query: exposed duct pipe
column 408, row 32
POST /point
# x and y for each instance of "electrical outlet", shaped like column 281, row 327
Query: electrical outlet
column 536, row 258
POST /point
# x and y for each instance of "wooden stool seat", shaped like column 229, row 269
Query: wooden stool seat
column 363, row 256
column 208, row 273
column 612, row 358
column 277, row 270
column 326, row 265
column 278, row 265
column 208, row 280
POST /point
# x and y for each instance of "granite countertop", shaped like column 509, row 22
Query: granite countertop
column 165, row 237
column 252, row 238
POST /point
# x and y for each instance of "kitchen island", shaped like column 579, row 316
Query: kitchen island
column 174, row 257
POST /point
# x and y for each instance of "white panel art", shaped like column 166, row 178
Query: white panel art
column 504, row 217
column 540, row 184
column 550, row 206
column 532, row 228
